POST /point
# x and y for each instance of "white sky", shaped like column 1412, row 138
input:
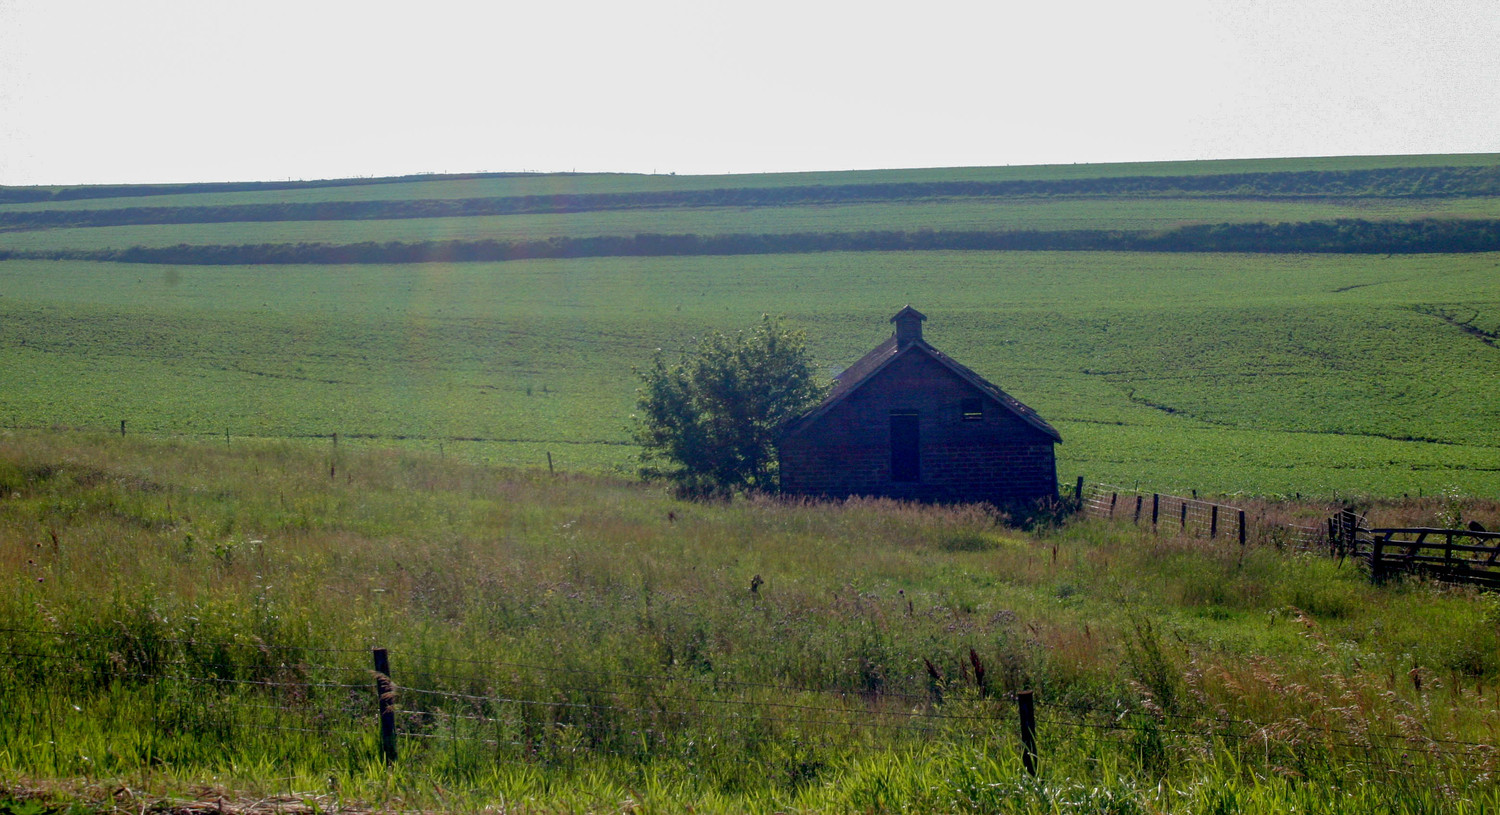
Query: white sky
column 107, row 91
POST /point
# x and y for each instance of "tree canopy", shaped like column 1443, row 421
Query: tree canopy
column 709, row 422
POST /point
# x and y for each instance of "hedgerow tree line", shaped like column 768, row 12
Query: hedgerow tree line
column 1346, row 236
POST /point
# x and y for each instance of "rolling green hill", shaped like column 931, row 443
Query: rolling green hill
column 1343, row 370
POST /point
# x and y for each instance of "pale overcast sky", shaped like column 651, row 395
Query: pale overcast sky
column 105, row 91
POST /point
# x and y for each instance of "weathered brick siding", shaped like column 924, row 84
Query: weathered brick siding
column 847, row 451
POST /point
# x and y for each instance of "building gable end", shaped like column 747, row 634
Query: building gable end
column 874, row 367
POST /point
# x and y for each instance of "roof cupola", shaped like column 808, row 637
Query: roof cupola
column 908, row 326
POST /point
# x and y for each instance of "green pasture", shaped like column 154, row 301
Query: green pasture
column 956, row 214
column 568, row 183
column 1254, row 373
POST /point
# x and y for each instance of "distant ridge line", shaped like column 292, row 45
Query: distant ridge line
column 1400, row 182
column 88, row 192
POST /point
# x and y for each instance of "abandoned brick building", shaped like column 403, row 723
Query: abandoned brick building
column 907, row 422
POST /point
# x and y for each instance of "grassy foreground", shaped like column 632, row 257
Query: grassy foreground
column 191, row 619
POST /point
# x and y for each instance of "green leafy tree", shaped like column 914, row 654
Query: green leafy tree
column 708, row 423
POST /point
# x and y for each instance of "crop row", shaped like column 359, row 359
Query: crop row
column 966, row 215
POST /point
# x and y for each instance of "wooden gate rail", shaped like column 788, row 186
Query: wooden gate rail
column 1347, row 532
column 1434, row 553
column 1418, row 550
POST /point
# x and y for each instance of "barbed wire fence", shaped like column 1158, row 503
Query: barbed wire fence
column 1195, row 517
column 520, row 712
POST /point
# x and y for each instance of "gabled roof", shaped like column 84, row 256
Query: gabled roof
column 884, row 354
column 910, row 312
column 862, row 369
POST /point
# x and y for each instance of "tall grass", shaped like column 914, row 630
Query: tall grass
column 186, row 618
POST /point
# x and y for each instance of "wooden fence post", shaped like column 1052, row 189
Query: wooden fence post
column 1184, row 515
column 1242, row 527
column 1028, row 731
column 385, row 693
column 1155, row 508
column 1114, row 496
column 1138, row 501
column 550, row 471
column 122, row 428
column 1213, row 522
column 1377, row 567
column 1078, row 493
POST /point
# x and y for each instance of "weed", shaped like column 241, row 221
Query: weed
column 557, row 640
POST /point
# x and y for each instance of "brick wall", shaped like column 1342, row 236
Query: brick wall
column 847, row 451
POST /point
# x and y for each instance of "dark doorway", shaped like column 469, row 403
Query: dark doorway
column 906, row 462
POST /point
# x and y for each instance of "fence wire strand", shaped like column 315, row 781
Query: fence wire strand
column 466, row 710
column 657, row 696
column 703, row 680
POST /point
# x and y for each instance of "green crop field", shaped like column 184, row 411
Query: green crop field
column 437, row 187
column 1229, row 373
column 947, row 214
column 1240, row 372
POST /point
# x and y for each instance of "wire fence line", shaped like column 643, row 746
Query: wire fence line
column 692, row 700
column 1220, row 726
column 716, row 681
column 531, row 718
column 1468, row 556
column 1201, row 518
column 35, row 654
column 192, row 664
